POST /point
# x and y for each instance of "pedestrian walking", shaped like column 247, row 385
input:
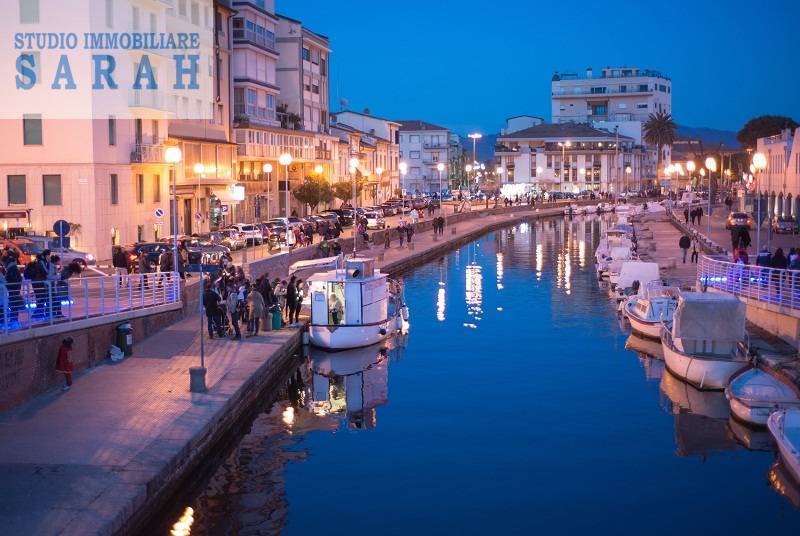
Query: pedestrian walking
column 409, row 233
column 211, row 301
column 64, row 362
column 684, row 243
column 387, row 237
column 120, row 263
column 699, row 215
column 300, row 294
column 401, row 233
column 255, row 311
column 694, row 250
column 144, row 269
column 291, row 299
column 234, row 306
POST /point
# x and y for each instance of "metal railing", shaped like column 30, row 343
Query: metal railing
column 768, row 285
column 32, row 304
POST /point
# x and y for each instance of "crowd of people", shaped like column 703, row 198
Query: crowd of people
column 230, row 299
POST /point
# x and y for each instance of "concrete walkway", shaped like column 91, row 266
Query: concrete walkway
column 82, row 462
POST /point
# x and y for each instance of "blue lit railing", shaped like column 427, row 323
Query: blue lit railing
column 768, row 285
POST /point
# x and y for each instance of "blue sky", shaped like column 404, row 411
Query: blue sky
column 469, row 64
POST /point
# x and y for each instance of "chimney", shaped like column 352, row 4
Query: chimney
column 589, row 72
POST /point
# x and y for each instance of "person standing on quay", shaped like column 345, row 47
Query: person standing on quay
column 233, row 305
column 684, row 242
column 686, row 215
column 300, row 294
column 387, row 237
column 401, row 232
column 64, row 362
column 291, row 299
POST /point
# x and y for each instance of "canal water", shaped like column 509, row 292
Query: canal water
column 512, row 407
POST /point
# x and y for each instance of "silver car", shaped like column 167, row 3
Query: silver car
column 375, row 220
column 68, row 255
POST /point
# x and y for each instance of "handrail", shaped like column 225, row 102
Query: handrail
column 32, row 304
column 761, row 283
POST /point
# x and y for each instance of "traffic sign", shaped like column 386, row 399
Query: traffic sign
column 224, row 209
column 159, row 212
column 198, row 216
column 61, row 228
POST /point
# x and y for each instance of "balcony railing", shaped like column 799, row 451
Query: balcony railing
column 35, row 304
column 434, row 145
column 253, row 112
column 259, row 39
column 768, row 285
column 587, row 92
column 148, row 98
column 147, row 153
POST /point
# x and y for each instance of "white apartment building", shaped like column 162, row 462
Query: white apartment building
column 616, row 98
column 567, row 157
column 384, row 135
column 780, row 181
column 423, row 146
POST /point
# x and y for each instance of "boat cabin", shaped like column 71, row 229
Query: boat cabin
column 355, row 295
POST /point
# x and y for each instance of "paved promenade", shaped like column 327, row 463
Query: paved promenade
column 83, row 461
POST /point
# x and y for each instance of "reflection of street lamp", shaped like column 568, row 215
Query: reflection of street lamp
column 690, row 167
column 268, row 170
column 759, row 164
column 285, row 160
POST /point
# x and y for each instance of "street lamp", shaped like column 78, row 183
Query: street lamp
column 628, row 171
column 403, row 170
column 563, row 146
column 711, row 165
column 173, row 156
column 285, row 160
column 758, row 165
column 440, row 168
column 378, row 172
column 267, row 168
column 475, row 137
column 318, row 169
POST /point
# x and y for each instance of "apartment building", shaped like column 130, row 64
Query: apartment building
column 423, row 146
column 567, row 157
column 780, row 180
column 616, row 99
column 383, row 182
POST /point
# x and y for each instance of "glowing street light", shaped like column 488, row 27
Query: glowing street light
column 690, row 166
column 318, row 169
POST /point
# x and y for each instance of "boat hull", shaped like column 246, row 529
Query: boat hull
column 346, row 337
column 704, row 372
column 789, row 455
column 643, row 327
column 756, row 414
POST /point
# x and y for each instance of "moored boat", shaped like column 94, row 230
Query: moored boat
column 647, row 311
column 784, row 425
column 354, row 305
column 756, row 392
column 705, row 343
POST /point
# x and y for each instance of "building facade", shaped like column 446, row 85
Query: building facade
column 616, row 99
column 567, row 157
column 423, row 146
column 780, row 180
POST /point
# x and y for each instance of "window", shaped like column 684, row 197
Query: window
column 435, row 156
column 114, row 189
column 549, row 161
column 195, row 13
column 662, row 88
column 182, row 8
column 154, row 128
column 140, row 233
column 16, row 190
column 315, row 57
column 32, row 129
column 29, row 11
column 414, row 155
column 140, row 188
column 414, row 138
column 306, row 54
column 109, row 13
column 643, row 87
column 156, row 188
column 623, row 89
column 112, row 130
column 599, row 109
column 641, row 106
column 622, row 106
column 596, row 90
column 315, row 89
column 323, row 66
column 51, row 190
column 135, row 17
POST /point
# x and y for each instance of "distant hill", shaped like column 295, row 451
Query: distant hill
column 711, row 137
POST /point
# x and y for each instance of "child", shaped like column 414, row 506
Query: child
column 64, row 362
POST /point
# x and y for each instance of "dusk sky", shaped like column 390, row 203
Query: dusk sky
column 468, row 65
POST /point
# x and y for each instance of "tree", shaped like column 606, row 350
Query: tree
column 763, row 126
column 344, row 190
column 313, row 191
column 660, row 130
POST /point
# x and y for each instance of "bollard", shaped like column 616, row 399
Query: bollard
column 197, row 379
column 268, row 322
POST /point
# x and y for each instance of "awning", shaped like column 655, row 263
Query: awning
column 328, row 263
column 13, row 214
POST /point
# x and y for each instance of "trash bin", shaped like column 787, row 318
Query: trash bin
column 125, row 338
column 268, row 322
column 277, row 320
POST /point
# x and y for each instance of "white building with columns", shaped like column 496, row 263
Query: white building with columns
column 780, row 180
column 567, row 157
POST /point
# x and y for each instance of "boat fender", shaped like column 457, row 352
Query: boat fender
column 305, row 338
column 404, row 312
column 382, row 331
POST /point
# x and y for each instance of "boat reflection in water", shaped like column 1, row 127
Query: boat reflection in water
column 749, row 437
column 649, row 353
column 349, row 386
column 782, row 482
column 701, row 418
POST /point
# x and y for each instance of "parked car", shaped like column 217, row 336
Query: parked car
column 434, row 202
column 26, row 250
column 784, row 225
column 152, row 250
column 69, row 255
column 419, row 203
column 390, row 208
column 250, row 233
column 738, row 219
column 345, row 215
column 276, row 236
column 374, row 220
column 233, row 239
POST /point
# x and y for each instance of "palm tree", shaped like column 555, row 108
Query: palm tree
column 660, row 130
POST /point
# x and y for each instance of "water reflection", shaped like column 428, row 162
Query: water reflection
column 782, row 482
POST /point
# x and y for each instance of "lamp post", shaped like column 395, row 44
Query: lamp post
column 759, row 164
column 378, row 172
column 475, row 137
column 173, row 156
column 268, row 170
column 440, row 168
column 628, row 172
column 711, row 165
column 353, row 168
column 690, row 167
column 285, row 160
column 403, row 170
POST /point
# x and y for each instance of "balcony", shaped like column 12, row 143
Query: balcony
column 580, row 92
column 148, row 99
column 322, row 154
column 243, row 34
column 148, row 153
column 505, row 150
column 434, row 145
column 250, row 113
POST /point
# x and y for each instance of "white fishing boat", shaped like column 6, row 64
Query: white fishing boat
column 631, row 271
column 625, row 208
column 353, row 304
column 603, row 208
column 705, row 344
column 784, row 425
column 755, row 392
column 613, row 237
column 648, row 310
column 617, row 254
column 571, row 209
column 588, row 209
